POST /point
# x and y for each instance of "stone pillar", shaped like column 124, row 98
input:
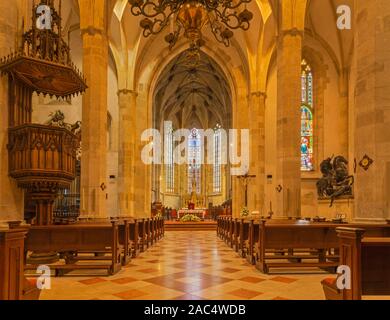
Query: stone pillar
column 257, row 127
column 289, row 124
column 343, row 114
column 11, row 198
column 94, row 119
column 240, row 121
column 127, row 127
column 372, row 111
column 142, row 185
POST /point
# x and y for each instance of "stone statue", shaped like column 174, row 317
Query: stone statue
column 57, row 119
column 335, row 181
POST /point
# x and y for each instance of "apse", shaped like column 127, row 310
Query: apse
column 192, row 93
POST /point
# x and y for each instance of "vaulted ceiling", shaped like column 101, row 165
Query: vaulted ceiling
column 192, row 92
column 254, row 50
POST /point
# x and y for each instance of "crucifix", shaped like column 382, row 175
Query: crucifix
column 245, row 181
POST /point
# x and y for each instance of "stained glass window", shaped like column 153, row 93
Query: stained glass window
column 217, row 183
column 169, row 166
column 194, row 161
column 307, row 132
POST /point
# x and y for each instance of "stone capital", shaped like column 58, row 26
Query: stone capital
column 126, row 92
column 293, row 32
column 92, row 31
column 259, row 94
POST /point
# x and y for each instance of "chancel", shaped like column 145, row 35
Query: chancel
column 194, row 150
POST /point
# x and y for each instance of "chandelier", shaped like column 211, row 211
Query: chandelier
column 190, row 16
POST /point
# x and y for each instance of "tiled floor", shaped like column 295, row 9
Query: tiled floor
column 188, row 266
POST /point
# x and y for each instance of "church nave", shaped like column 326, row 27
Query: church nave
column 194, row 150
column 188, row 265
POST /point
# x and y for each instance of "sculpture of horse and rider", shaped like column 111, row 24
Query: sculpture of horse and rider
column 335, row 181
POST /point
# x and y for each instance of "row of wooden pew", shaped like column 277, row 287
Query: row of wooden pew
column 276, row 244
column 296, row 244
column 91, row 245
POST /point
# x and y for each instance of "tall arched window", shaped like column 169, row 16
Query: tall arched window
column 217, row 183
column 170, row 165
column 307, row 136
column 194, row 161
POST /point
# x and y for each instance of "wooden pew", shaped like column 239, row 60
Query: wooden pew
column 253, row 238
column 160, row 228
column 142, row 237
column 243, row 237
column 292, row 236
column 69, row 240
column 148, row 233
column 221, row 227
column 236, row 225
column 225, row 228
column 318, row 241
column 134, row 236
column 154, row 230
column 13, row 284
column 228, row 233
column 144, row 233
column 125, row 241
column 369, row 261
column 236, row 246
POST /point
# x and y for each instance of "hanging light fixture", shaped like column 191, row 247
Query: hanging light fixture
column 191, row 16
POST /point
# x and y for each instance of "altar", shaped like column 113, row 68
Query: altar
column 201, row 213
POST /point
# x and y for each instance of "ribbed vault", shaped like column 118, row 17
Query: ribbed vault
column 192, row 94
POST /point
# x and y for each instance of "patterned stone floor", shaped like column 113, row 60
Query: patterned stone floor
column 188, row 266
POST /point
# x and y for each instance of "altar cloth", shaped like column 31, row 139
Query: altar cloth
column 201, row 213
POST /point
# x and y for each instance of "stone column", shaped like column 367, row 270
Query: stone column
column 289, row 123
column 11, row 198
column 372, row 111
column 240, row 121
column 257, row 123
column 343, row 114
column 142, row 185
column 127, row 110
column 94, row 119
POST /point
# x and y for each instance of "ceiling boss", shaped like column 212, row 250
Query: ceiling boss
column 188, row 17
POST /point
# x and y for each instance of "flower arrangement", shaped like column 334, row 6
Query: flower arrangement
column 190, row 218
column 244, row 212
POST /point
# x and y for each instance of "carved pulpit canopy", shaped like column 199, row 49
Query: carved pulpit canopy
column 43, row 61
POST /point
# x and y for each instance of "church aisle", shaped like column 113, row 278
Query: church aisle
column 188, row 266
